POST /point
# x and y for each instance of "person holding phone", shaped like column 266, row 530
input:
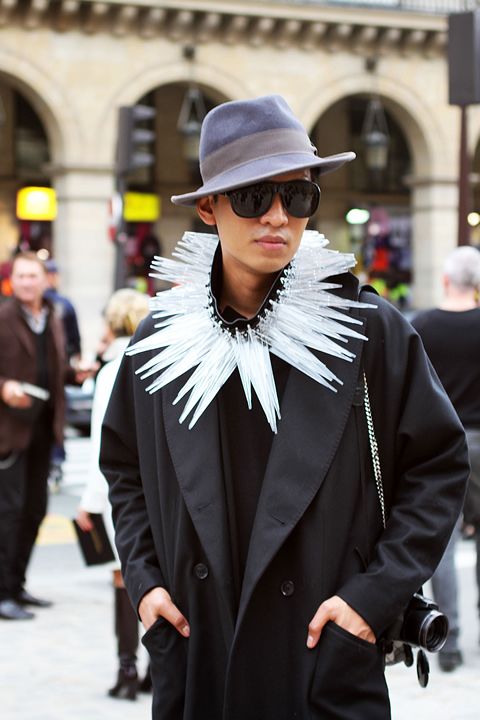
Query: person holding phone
column 33, row 370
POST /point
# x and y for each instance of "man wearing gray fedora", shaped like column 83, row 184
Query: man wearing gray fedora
column 265, row 558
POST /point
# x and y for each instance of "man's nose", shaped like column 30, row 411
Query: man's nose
column 276, row 213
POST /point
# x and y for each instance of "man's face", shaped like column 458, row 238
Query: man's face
column 259, row 246
column 29, row 282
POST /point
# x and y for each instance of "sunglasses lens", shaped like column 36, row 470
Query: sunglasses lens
column 300, row 198
column 252, row 201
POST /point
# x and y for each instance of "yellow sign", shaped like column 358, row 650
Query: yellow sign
column 36, row 203
column 141, row 207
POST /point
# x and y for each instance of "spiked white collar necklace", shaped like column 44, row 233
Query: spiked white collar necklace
column 299, row 315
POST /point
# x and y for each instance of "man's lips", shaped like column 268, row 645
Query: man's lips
column 271, row 241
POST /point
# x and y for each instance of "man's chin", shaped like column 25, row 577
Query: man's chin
column 268, row 270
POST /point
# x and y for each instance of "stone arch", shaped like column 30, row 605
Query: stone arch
column 48, row 99
column 217, row 81
column 423, row 133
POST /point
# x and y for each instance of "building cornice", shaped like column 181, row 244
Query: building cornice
column 366, row 30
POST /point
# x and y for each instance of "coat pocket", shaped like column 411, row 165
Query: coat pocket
column 348, row 682
column 168, row 651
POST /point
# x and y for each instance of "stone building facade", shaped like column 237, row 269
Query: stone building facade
column 72, row 63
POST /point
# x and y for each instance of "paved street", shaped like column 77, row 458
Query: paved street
column 58, row 666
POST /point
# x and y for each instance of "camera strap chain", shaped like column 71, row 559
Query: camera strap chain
column 399, row 651
column 377, row 470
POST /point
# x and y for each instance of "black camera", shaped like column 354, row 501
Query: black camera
column 422, row 625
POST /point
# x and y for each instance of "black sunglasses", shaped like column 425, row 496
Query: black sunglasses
column 300, row 198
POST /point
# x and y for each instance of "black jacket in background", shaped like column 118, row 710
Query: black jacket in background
column 452, row 342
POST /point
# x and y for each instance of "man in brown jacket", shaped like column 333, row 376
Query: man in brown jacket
column 32, row 373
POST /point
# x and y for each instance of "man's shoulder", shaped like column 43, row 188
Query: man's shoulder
column 145, row 328
column 436, row 318
column 134, row 357
column 66, row 303
column 381, row 311
column 423, row 316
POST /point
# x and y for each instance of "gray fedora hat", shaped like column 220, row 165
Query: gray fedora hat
column 244, row 141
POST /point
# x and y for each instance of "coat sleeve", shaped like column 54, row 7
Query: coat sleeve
column 424, row 462
column 119, row 462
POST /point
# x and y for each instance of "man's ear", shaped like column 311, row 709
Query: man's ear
column 205, row 210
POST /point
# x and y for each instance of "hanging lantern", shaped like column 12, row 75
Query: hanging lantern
column 190, row 121
column 375, row 136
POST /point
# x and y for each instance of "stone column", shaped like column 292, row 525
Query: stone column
column 82, row 245
column 434, row 235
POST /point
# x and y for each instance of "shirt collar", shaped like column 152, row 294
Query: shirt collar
column 36, row 323
column 229, row 317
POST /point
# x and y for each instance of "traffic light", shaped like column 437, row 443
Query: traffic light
column 134, row 138
column 464, row 58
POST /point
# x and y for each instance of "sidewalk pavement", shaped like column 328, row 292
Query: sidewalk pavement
column 59, row 665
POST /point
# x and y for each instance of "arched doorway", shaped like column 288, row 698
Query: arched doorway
column 365, row 206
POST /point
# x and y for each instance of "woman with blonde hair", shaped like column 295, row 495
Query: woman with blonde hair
column 124, row 311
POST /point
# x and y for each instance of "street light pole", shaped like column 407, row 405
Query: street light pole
column 463, row 236
column 464, row 90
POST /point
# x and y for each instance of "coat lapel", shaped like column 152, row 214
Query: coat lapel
column 196, row 455
column 313, row 421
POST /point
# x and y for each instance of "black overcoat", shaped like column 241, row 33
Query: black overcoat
column 317, row 531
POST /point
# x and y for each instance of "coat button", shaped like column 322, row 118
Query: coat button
column 201, row 571
column 287, row 588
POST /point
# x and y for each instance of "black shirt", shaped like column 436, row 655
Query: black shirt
column 452, row 342
column 245, row 438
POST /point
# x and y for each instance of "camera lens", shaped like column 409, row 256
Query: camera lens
column 433, row 631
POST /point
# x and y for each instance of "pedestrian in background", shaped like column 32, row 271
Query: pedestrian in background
column 73, row 350
column 33, row 369
column 253, row 545
column 124, row 311
column 65, row 310
column 451, row 337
